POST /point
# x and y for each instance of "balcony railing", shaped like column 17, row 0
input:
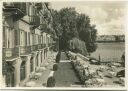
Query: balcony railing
column 44, row 45
column 22, row 50
column 50, row 44
column 38, row 6
column 17, row 9
column 39, row 46
column 34, row 47
column 9, row 5
column 10, row 52
column 34, row 20
column 20, row 6
column 29, row 49
column 25, row 50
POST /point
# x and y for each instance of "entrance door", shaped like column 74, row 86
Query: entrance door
column 10, row 75
column 31, row 64
column 37, row 60
column 22, row 71
column 10, row 79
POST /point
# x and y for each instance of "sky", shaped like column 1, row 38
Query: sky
column 109, row 17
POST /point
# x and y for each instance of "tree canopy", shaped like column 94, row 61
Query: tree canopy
column 69, row 24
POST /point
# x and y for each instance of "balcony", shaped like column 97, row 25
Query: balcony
column 34, row 21
column 43, row 45
column 38, row 6
column 39, row 46
column 16, row 10
column 10, row 53
column 24, row 50
column 34, row 48
column 49, row 45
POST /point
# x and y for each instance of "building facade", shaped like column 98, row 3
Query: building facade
column 26, row 43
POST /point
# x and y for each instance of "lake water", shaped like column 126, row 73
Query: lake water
column 109, row 51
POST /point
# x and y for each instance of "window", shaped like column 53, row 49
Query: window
column 25, row 35
column 16, row 34
column 28, row 38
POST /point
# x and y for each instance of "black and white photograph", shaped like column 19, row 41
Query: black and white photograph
column 58, row 90
column 63, row 44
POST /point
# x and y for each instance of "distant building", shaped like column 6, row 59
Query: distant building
column 110, row 38
column 25, row 44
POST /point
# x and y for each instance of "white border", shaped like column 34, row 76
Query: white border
column 66, row 88
column 126, row 47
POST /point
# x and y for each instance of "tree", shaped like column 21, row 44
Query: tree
column 68, row 22
column 69, row 25
column 57, row 22
column 78, row 46
column 87, row 32
column 66, row 19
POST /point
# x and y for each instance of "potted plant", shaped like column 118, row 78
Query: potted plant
column 51, row 82
column 55, row 67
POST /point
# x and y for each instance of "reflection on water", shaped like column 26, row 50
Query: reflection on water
column 109, row 51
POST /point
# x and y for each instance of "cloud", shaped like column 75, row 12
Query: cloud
column 97, row 14
column 108, row 20
column 108, row 17
column 113, row 27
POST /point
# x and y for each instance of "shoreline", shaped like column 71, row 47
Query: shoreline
column 110, row 42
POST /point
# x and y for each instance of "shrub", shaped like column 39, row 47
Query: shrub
column 121, row 73
column 51, row 82
column 55, row 67
column 58, row 57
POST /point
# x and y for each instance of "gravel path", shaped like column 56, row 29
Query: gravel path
column 65, row 75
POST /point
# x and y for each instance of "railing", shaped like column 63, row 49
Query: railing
column 49, row 44
column 9, row 5
column 20, row 6
column 38, row 6
column 25, row 50
column 17, row 10
column 34, row 47
column 43, row 45
column 34, row 20
column 10, row 52
column 14, row 52
column 39, row 46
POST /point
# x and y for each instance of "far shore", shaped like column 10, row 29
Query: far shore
column 110, row 41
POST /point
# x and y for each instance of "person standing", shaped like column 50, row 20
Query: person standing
column 123, row 59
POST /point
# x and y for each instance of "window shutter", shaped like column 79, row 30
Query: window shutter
column 4, row 40
column 16, row 34
column 25, row 38
column 28, row 38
